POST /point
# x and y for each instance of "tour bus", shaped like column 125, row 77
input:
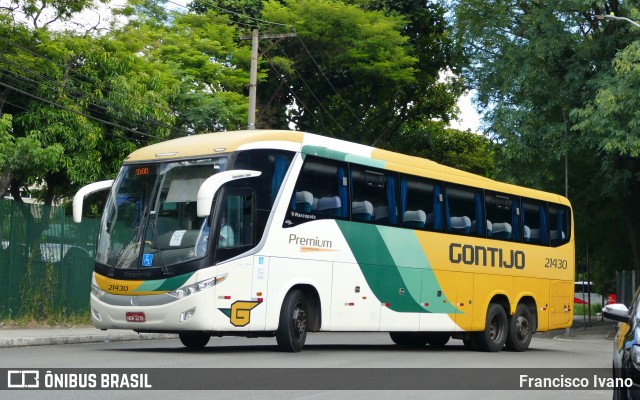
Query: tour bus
column 279, row 233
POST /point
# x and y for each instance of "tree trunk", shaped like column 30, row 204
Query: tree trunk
column 5, row 181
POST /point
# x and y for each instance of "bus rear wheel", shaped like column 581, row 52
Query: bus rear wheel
column 409, row 339
column 520, row 329
column 494, row 335
column 194, row 341
column 292, row 329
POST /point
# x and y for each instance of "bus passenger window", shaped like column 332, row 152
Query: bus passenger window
column 535, row 225
column 558, row 224
column 503, row 216
column 420, row 203
column 463, row 211
column 374, row 196
column 320, row 192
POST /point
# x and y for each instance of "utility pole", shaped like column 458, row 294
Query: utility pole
column 253, row 73
column 253, row 80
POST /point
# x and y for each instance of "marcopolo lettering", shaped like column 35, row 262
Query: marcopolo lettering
column 486, row 256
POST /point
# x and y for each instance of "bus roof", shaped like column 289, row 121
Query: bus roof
column 223, row 142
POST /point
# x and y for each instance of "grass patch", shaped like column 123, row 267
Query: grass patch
column 57, row 320
column 583, row 309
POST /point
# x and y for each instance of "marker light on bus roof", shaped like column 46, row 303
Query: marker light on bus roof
column 171, row 153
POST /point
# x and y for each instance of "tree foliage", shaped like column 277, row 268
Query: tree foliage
column 80, row 103
column 356, row 70
column 553, row 85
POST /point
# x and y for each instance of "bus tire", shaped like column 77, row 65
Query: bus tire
column 438, row 339
column 520, row 329
column 494, row 336
column 194, row 341
column 409, row 339
column 292, row 329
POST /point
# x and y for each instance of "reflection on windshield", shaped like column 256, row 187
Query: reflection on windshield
column 150, row 219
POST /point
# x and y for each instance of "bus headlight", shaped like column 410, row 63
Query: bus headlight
column 96, row 291
column 197, row 287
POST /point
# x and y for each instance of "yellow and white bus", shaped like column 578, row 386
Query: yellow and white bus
column 280, row 233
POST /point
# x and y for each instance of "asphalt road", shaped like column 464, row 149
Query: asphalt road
column 323, row 350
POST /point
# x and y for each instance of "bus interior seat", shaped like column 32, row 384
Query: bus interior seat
column 501, row 230
column 474, row 230
column 429, row 221
column 534, row 235
column 304, row 201
column 460, row 224
column 381, row 214
column 527, row 234
column 330, row 206
column 553, row 236
column 362, row 210
column 414, row 219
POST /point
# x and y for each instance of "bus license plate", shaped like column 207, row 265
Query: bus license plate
column 135, row 317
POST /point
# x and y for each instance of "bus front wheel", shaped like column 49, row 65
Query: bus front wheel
column 292, row 329
column 494, row 335
column 520, row 329
column 194, row 341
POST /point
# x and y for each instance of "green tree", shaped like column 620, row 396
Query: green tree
column 356, row 70
column 80, row 103
column 551, row 95
column 199, row 52
column 464, row 150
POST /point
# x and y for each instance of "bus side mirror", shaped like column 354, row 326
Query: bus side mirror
column 84, row 191
column 210, row 187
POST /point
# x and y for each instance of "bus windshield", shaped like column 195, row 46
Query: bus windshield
column 150, row 219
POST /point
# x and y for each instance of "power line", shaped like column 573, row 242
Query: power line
column 310, row 90
column 236, row 14
column 93, row 83
column 284, row 81
column 37, row 84
column 8, row 86
column 138, row 140
column 360, row 121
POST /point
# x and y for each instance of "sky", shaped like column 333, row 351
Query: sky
column 469, row 117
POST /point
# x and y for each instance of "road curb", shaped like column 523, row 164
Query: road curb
column 71, row 339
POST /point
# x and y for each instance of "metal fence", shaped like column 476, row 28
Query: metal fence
column 626, row 284
column 46, row 260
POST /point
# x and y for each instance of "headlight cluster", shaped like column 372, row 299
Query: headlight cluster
column 96, row 291
column 197, row 287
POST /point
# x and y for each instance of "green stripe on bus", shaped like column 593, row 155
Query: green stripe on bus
column 408, row 255
column 342, row 156
column 391, row 259
column 164, row 285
